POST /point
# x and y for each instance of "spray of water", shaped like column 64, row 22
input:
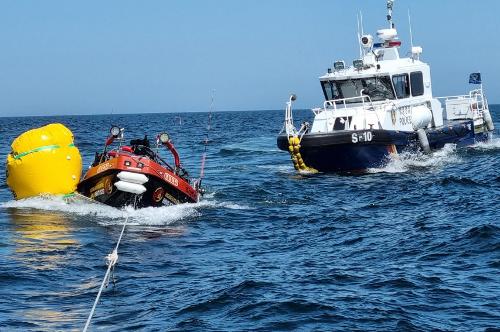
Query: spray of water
column 106, row 215
column 493, row 144
column 409, row 161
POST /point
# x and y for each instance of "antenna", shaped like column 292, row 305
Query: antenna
column 359, row 36
column 390, row 5
column 361, row 21
column 206, row 141
column 409, row 23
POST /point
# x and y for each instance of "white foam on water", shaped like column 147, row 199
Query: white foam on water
column 493, row 144
column 107, row 215
column 233, row 206
column 406, row 161
column 209, row 195
column 278, row 168
column 57, row 203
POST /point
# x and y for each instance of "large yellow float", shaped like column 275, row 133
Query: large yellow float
column 44, row 161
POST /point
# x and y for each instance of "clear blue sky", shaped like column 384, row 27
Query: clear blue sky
column 88, row 57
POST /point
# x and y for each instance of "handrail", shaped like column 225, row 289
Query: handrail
column 475, row 99
column 334, row 102
column 453, row 97
column 288, row 126
column 480, row 91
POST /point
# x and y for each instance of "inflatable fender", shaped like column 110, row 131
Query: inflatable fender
column 44, row 161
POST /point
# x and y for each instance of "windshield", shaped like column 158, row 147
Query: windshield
column 377, row 88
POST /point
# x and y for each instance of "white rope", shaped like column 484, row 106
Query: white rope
column 111, row 260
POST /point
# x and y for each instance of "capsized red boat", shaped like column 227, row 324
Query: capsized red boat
column 137, row 175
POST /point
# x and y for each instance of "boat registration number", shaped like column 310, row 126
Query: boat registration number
column 170, row 179
column 365, row 136
column 103, row 167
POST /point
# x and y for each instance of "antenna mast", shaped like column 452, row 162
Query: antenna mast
column 359, row 36
column 390, row 5
column 361, row 22
column 411, row 32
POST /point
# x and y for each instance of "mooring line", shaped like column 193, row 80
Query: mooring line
column 111, row 259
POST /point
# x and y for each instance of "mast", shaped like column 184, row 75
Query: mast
column 390, row 5
column 409, row 24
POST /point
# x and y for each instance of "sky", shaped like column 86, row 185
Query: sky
column 101, row 57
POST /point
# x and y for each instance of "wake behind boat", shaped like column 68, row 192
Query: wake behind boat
column 381, row 105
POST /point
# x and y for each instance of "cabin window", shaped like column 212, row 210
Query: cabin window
column 417, row 83
column 377, row 88
column 330, row 90
column 401, row 85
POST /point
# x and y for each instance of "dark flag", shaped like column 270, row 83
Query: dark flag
column 475, row 78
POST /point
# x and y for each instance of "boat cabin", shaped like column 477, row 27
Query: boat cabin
column 380, row 76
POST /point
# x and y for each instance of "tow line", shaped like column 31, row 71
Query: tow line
column 111, row 259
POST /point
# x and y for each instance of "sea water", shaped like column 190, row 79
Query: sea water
column 414, row 245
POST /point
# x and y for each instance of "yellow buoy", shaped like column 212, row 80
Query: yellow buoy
column 44, row 161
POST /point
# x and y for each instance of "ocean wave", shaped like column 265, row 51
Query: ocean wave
column 225, row 296
column 459, row 180
column 483, row 232
column 256, row 145
column 241, row 150
column 392, row 283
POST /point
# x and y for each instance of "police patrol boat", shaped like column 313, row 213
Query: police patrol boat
column 382, row 105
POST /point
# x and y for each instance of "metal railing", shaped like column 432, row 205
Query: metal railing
column 288, row 126
column 475, row 100
column 343, row 101
column 334, row 105
column 365, row 101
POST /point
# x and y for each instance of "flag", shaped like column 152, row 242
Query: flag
column 475, row 78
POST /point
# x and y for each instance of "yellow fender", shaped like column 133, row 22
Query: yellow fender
column 298, row 162
column 44, row 161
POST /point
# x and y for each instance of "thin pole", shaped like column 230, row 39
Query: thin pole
column 411, row 32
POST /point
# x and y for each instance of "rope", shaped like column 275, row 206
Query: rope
column 111, row 261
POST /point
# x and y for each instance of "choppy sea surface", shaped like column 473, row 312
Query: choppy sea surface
column 413, row 246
